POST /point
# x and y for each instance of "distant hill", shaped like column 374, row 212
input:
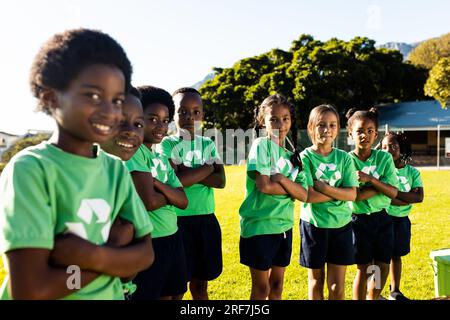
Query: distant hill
column 404, row 48
column 209, row 76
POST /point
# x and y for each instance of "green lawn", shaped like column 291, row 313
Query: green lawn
column 430, row 231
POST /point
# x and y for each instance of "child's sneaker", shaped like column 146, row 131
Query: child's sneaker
column 397, row 295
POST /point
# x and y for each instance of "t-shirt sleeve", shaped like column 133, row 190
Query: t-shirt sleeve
column 164, row 148
column 390, row 173
column 211, row 153
column 138, row 162
column 133, row 210
column 304, row 179
column 172, row 179
column 27, row 218
column 416, row 179
column 259, row 158
column 350, row 179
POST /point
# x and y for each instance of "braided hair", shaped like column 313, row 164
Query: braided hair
column 260, row 111
column 404, row 144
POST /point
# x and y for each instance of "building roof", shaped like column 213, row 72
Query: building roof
column 423, row 115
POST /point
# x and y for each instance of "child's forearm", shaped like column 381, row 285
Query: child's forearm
column 33, row 278
column 191, row 176
column 143, row 182
column 365, row 193
column 295, row 190
column 342, row 194
column 265, row 185
column 315, row 196
column 174, row 196
column 125, row 261
column 216, row 179
column 384, row 188
column 414, row 196
column 397, row 202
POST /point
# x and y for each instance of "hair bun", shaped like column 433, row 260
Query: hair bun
column 351, row 112
column 375, row 111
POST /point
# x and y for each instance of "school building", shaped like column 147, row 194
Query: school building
column 426, row 124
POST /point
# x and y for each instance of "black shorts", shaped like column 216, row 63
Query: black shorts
column 167, row 274
column 261, row 252
column 326, row 245
column 202, row 239
column 373, row 237
column 402, row 236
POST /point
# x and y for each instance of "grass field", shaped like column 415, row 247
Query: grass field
column 430, row 231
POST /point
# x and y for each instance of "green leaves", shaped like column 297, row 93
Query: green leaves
column 438, row 83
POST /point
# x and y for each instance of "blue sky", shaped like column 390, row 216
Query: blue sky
column 175, row 43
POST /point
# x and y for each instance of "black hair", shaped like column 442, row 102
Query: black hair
column 135, row 92
column 150, row 94
column 358, row 114
column 404, row 144
column 274, row 100
column 66, row 54
column 186, row 90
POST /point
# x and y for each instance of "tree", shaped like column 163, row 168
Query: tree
column 438, row 83
column 19, row 145
column 342, row 73
column 429, row 52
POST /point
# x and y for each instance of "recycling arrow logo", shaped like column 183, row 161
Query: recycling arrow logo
column 285, row 167
column 159, row 166
column 371, row 170
column 193, row 156
column 404, row 181
column 93, row 213
column 327, row 172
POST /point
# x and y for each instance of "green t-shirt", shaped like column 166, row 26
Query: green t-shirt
column 45, row 191
column 264, row 213
column 193, row 154
column 164, row 219
column 408, row 178
column 380, row 166
column 337, row 170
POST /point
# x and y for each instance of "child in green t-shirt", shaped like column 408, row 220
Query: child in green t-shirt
column 161, row 192
column 274, row 180
column 325, row 220
column 59, row 199
column 372, row 226
column 130, row 134
column 200, row 170
column 410, row 191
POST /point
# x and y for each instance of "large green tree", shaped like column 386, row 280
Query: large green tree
column 343, row 73
column 429, row 52
column 438, row 83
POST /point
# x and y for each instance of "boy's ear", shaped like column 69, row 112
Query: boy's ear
column 49, row 98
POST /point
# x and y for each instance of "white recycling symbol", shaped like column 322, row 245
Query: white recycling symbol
column 371, row 170
column 88, row 208
column 191, row 155
column 404, row 181
column 328, row 167
column 158, row 165
column 285, row 165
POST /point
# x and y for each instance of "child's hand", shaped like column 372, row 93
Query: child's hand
column 121, row 233
column 320, row 186
column 277, row 177
column 363, row 177
column 70, row 249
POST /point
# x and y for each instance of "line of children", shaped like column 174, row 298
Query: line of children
column 161, row 192
column 410, row 191
column 66, row 202
column 59, row 200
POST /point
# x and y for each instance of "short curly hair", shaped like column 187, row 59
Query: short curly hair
column 150, row 94
column 66, row 54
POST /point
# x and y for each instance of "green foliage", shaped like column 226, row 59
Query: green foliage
column 438, row 83
column 342, row 73
column 20, row 145
column 429, row 52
